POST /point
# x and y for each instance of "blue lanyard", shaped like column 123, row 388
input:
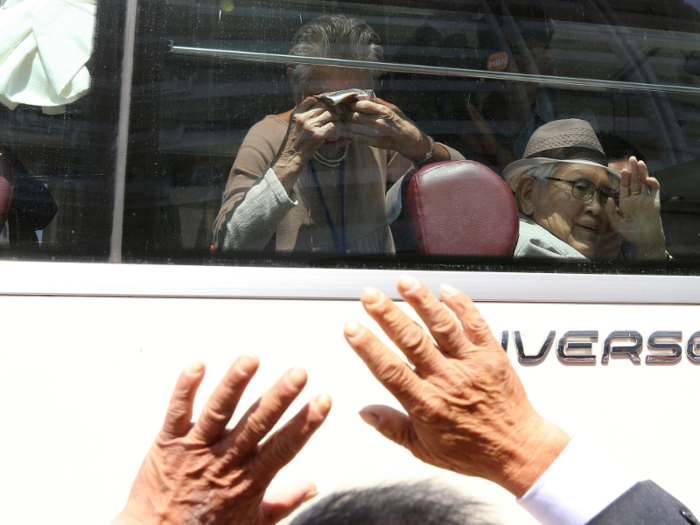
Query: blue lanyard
column 340, row 246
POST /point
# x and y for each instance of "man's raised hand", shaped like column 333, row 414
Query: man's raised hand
column 467, row 410
column 204, row 473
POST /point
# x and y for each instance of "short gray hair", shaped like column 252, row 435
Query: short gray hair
column 332, row 36
column 542, row 172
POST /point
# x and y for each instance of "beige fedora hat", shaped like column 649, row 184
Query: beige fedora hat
column 570, row 141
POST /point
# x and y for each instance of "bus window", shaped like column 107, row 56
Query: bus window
column 233, row 157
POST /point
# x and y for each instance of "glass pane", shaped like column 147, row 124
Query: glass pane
column 222, row 170
column 59, row 89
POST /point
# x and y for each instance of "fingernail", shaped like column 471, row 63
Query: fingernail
column 310, row 495
column 297, row 376
column 408, row 283
column 369, row 418
column 352, row 329
column 371, row 295
column 447, row 289
column 247, row 364
column 323, row 403
column 195, row 367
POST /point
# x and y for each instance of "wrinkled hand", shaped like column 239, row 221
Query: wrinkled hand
column 467, row 409
column 637, row 217
column 384, row 126
column 310, row 126
column 202, row 473
column 609, row 245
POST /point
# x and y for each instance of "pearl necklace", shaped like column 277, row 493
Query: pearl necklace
column 331, row 163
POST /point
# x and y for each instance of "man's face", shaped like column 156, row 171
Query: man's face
column 579, row 223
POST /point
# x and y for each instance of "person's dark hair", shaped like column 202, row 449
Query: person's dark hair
column 617, row 148
column 418, row 503
column 332, row 36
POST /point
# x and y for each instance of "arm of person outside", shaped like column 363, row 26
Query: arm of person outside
column 577, row 486
column 468, row 412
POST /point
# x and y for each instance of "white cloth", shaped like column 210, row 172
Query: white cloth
column 577, row 487
column 537, row 242
column 258, row 214
column 44, row 46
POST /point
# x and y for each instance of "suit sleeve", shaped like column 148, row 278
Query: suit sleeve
column 645, row 503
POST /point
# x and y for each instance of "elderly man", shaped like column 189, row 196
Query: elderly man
column 569, row 199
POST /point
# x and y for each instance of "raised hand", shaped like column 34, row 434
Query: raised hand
column 384, row 126
column 203, row 473
column 310, row 126
column 637, row 217
column 467, row 410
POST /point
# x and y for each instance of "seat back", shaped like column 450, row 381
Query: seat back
column 461, row 208
column 5, row 198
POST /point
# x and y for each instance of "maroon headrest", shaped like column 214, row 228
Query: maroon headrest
column 5, row 200
column 462, row 208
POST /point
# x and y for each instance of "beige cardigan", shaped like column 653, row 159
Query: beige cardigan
column 257, row 213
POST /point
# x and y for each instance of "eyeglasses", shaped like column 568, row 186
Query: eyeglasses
column 584, row 190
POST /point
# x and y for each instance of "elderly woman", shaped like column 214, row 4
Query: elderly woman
column 570, row 200
column 313, row 179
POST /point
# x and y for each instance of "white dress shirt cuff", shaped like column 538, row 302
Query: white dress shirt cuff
column 577, row 487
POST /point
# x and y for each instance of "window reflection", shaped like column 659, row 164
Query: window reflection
column 193, row 118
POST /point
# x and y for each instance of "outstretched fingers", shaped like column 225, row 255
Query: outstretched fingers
column 403, row 331
column 389, row 369
column 282, row 446
column 625, row 176
column 475, row 327
column 266, row 412
column 635, row 184
column 179, row 414
column 442, row 324
column 612, row 214
column 223, row 401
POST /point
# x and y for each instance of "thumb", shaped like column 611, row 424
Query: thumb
column 283, row 502
column 390, row 423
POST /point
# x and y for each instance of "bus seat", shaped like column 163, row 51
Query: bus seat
column 5, row 199
column 461, row 208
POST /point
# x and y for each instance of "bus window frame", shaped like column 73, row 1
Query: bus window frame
column 115, row 279
column 224, row 282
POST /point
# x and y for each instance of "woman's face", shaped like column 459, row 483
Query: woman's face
column 579, row 223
